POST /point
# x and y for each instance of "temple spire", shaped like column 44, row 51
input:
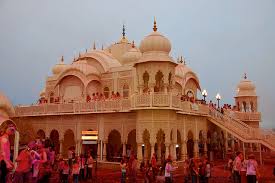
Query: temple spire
column 94, row 48
column 155, row 25
column 62, row 59
column 102, row 47
column 245, row 76
column 133, row 44
column 123, row 31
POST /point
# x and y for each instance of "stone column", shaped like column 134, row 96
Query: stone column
column 251, row 147
column 61, row 146
column 184, row 150
column 152, row 150
column 139, row 152
column 98, row 151
column 196, row 148
column 124, row 149
column 205, row 148
column 173, row 151
column 159, row 152
column 167, row 153
column 104, row 151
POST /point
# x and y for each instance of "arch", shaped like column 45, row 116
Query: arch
column 71, row 71
column 114, row 148
column 244, row 106
column 145, row 81
column 54, row 137
column 69, row 142
column 125, row 91
column 159, row 82
column 71, row 88
column 93, row 86
column 131, row 143
column 41, row 134
column 252, row 107
column 201, row 143
column 190, row 144
column 178, row 88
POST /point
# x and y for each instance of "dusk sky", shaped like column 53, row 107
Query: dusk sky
column 219, row 39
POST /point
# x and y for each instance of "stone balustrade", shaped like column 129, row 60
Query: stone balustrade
column 247, row 116
column 153, row 101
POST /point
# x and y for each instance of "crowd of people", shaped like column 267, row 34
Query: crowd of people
column 38, row 163
column 244, row 170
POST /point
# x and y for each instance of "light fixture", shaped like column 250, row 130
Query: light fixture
column 218, row 97
column 204, row 94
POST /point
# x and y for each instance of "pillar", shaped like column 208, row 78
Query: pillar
column 78, row 147
column 152, row 150
column 243, row 150
column 139, row 152
column 196, row 149
column 173, row 151
column 205, row 148
column 261, row 160
column 104, row 151
column 98, row 151
column 184, row 150
column 167, row 153
column 159, row 153
column 124, row 149
column 61, row 146
column 251, row 147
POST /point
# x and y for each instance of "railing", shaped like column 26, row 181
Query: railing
column 95, row 106
column 248, row 116
column 267, row 138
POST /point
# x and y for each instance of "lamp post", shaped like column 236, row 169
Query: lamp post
column 218, row 97
column 204, row 94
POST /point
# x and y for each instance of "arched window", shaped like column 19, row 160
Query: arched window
column 106, row 92
column 159, row 82
column 125, row 91
column 170, row 79
column 146, row 81
column 252, row 107
column 244, row 106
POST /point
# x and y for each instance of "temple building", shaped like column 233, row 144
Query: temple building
column 139, row 100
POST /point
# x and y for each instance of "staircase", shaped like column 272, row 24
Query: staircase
column 241, row 130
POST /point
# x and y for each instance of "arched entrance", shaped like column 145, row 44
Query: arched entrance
column 54, row 137
column 69, row 142
column 131, row 143
column 114, row 148
column 146, row 147
column 190, row 144
column 41, row 135
column 201, row 143
column 160, row 151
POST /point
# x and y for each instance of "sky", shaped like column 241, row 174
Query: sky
column 220, row 40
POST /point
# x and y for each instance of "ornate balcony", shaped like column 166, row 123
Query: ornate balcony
column 135, row 102
column 248, row 116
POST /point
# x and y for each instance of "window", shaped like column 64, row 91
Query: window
column 125, row 91
column 159, row 82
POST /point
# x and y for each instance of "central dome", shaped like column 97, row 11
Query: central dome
column 246, row 88
column 155, row 42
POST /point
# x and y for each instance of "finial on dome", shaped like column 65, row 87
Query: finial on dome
column 133, row 44
column 155, row 25
column 245, row 76
column 123, row 31
column 62, row 59
column 94, row 48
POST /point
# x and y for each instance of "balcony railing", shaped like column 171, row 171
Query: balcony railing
column 248, row 116
column 154, row 100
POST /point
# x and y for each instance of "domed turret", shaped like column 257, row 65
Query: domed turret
column 6, row 108
column 132, row 55
column 155, row 42
column 246, row 88
column 58, row 68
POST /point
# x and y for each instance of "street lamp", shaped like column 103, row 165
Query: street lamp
column 204, row 94
column 218, row 97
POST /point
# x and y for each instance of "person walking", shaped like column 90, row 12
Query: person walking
column 237, row 165
column 252, row 169
column 168, row 170
column 75, row 170
column 90, row 162
column 123, row 167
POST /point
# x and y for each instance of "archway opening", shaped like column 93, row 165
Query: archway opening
column 190, row 144
column 54, row 137
column 69, row 142
column 114, row 148
column 160, row 151
column 146, row 147
column 131, row 143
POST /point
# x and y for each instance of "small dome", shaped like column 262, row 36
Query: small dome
column 246, row 88
column 155, row 42
column 6, row 108
column 42, row 93
column 131, row 56
column 58, row 68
